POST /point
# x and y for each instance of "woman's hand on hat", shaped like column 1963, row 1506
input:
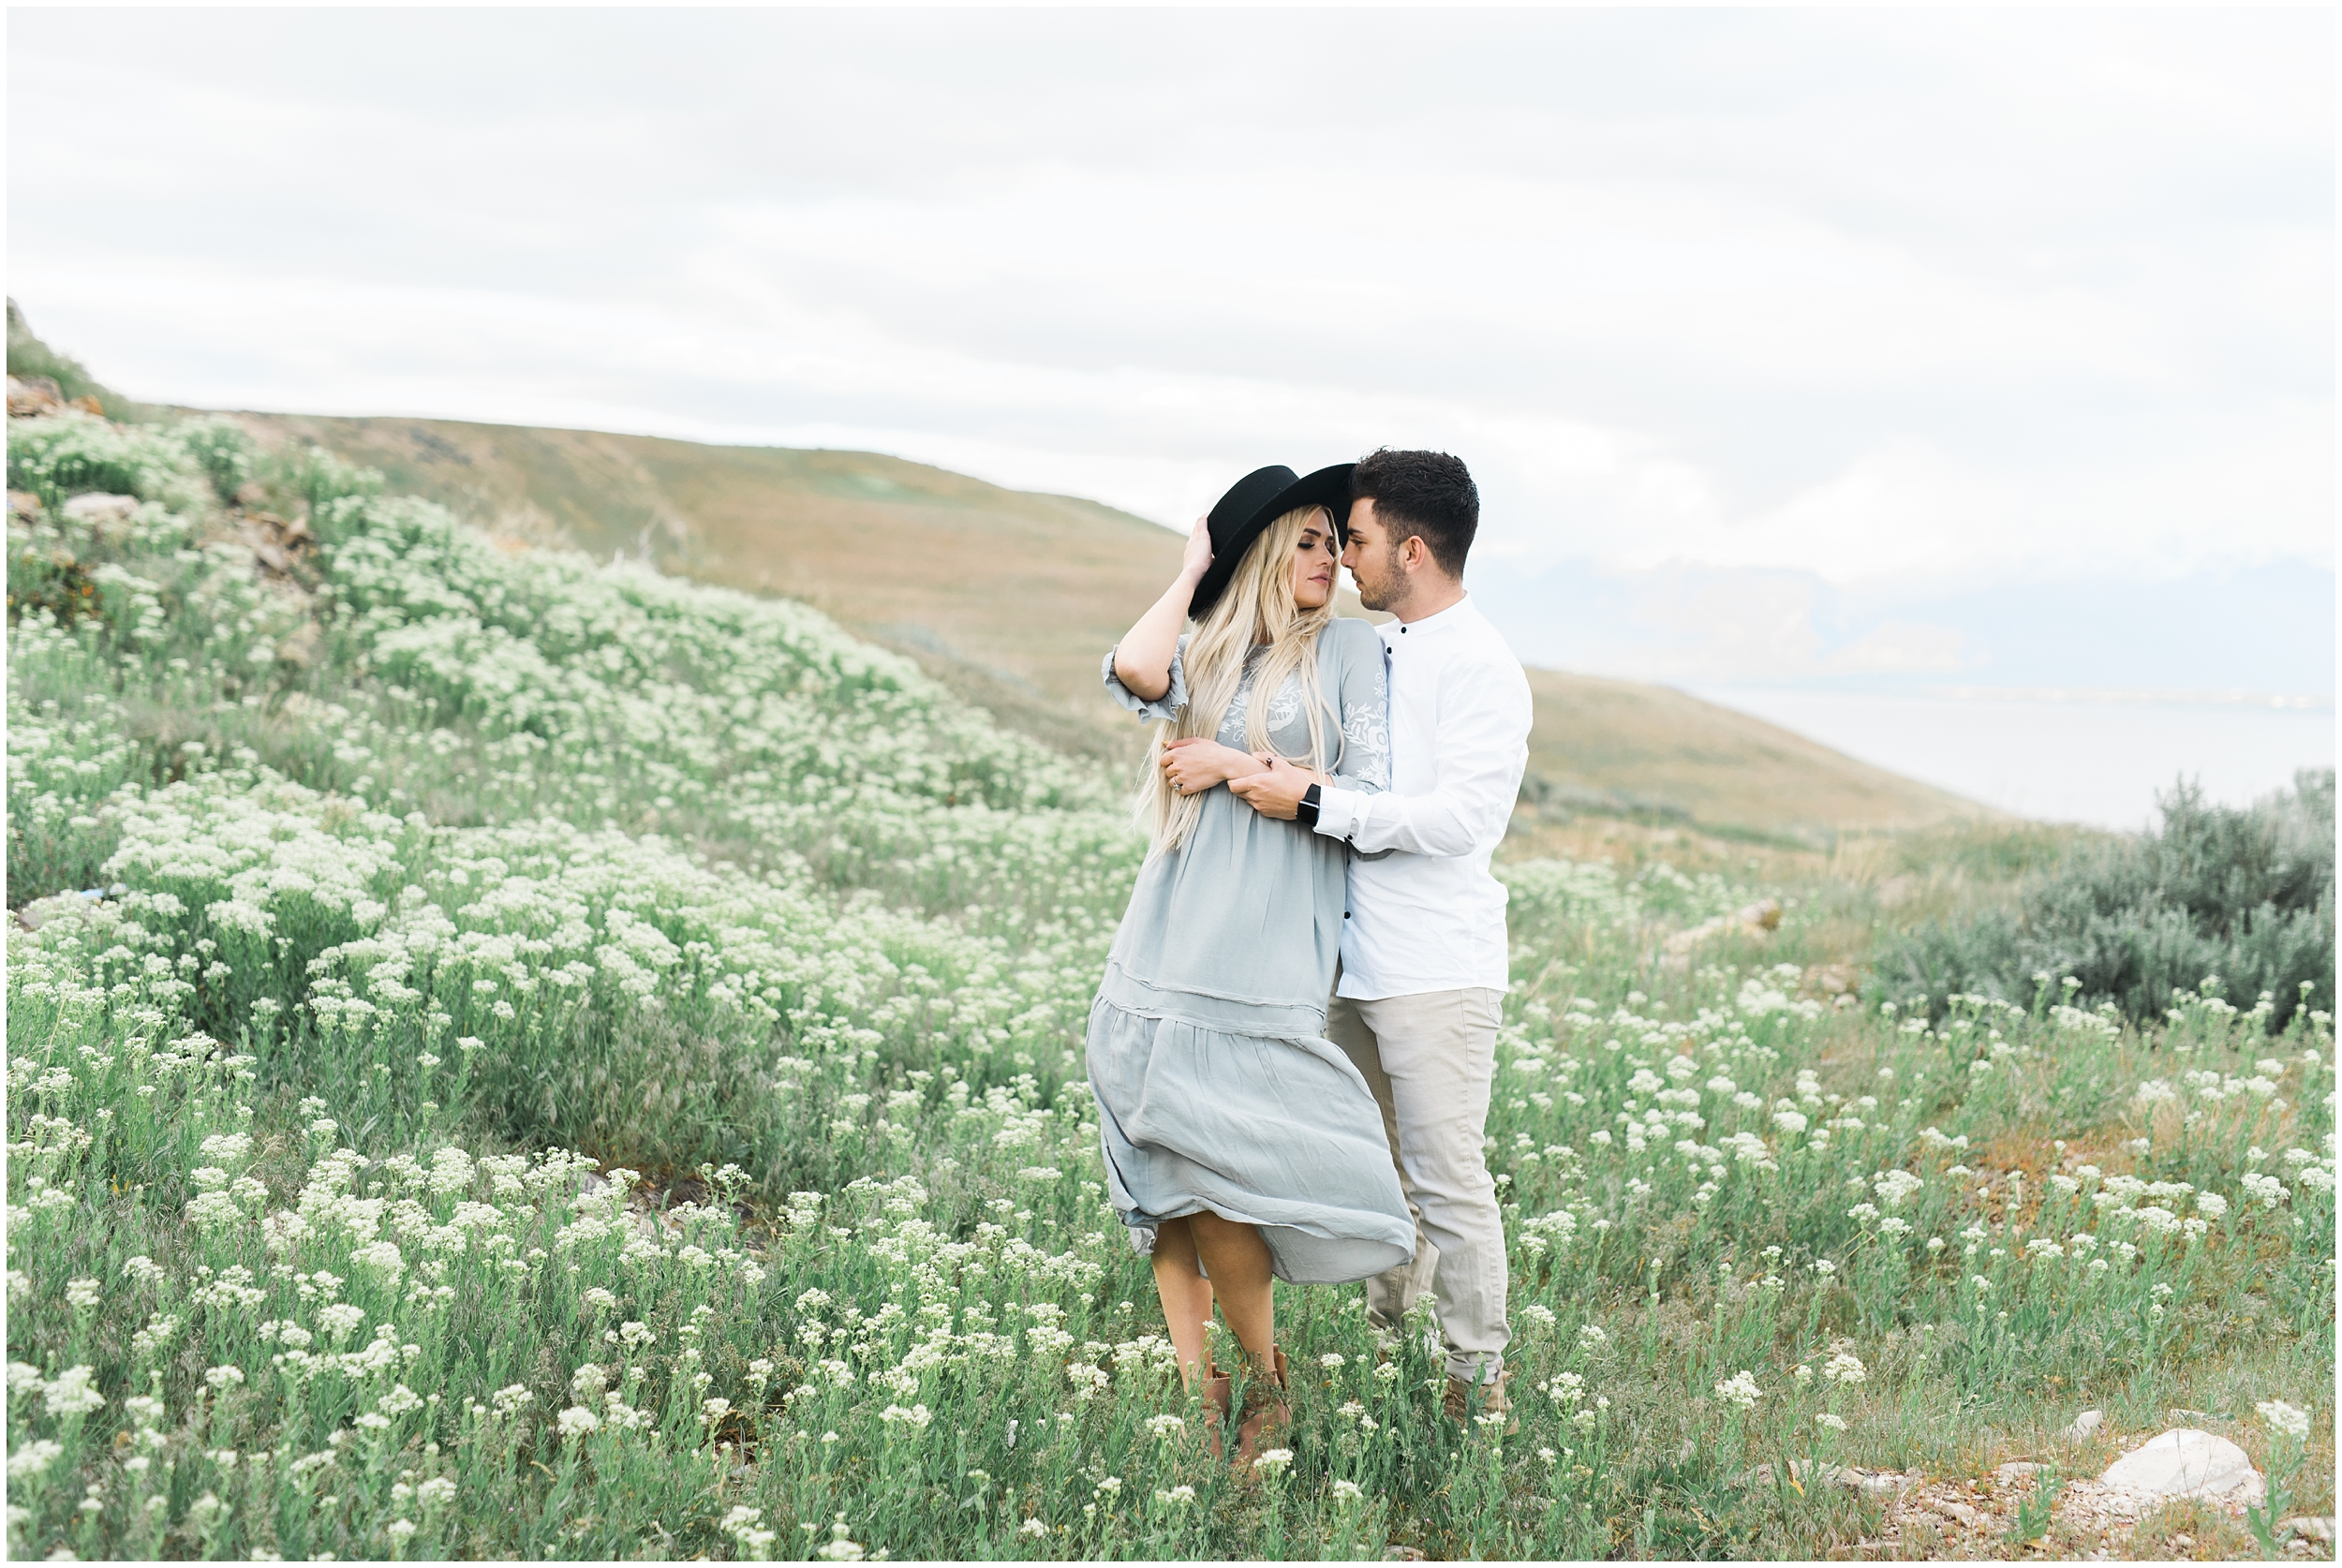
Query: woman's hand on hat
column 1193, row 764
column 1198, row 560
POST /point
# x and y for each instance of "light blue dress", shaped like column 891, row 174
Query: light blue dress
column 1216, row 1086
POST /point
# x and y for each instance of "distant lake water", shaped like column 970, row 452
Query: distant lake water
column 2079, row 761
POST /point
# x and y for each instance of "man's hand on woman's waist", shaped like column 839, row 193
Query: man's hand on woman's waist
column 1277, row 791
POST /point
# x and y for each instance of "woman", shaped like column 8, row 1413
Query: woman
column 1241, row 1144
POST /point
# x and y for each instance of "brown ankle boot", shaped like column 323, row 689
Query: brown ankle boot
column 1267, row 1414
column 1218, row 1397
column 1490, row 1397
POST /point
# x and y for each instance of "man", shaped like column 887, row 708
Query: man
column 1424, row 952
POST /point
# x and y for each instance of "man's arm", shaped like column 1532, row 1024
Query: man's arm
column 1277, row 788
column 1483, row 742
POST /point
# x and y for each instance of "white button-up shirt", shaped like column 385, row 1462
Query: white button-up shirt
column 1425, row 914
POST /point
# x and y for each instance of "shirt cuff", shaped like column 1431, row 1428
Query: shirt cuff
column 1338, row 811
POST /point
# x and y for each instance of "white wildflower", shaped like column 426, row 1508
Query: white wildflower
column 2288, row 1420
column 1740, row 1389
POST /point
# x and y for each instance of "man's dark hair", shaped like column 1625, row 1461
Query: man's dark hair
column 1428, row 494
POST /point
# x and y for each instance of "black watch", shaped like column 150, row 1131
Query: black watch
column 1306, row 813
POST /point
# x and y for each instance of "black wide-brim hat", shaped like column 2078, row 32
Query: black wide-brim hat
column 1252, row 503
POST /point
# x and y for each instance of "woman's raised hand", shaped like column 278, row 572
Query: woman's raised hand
column 1142, row 659
column 1198, row 560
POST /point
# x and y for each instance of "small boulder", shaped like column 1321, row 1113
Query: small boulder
column 2187, row 1462
column 300, row 648
column 2310, row 1526
column 1877, row 1483
column 2085, row 1425
column 2016, row 1472
column 97, row 506
column 1754, row 920
column 109, row 517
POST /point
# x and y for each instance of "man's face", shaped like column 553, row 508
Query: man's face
column 1372, row 558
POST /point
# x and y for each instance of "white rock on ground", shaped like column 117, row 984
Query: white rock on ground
column 2185, row 1462
column 108, row 517
column 2086, row 1425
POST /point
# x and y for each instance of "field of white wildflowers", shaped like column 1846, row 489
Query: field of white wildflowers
column 511, row 1055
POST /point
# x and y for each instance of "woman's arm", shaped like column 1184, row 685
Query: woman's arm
column 1142, row 660
column 1195, row 764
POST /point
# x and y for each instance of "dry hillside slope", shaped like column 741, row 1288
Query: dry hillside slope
column 1010, row 598
column 1622, row 746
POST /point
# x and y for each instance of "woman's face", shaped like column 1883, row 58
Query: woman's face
column 1313, row 561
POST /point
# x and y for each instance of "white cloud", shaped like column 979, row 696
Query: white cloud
column 1906, row 301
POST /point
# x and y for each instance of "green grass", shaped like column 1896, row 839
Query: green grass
column 511, row 1054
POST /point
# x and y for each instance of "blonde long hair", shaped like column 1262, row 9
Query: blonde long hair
column 1257, row 608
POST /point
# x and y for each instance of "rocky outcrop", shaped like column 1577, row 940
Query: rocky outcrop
column 36, row 396
column 1756, row 920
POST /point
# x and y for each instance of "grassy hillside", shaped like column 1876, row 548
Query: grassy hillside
column 1007, row 596
column 1010, row 599
column 510, row 1054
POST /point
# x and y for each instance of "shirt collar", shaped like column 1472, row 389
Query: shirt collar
column 1446, row 620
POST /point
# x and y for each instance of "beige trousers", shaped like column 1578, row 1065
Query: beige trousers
column 1430, row 1059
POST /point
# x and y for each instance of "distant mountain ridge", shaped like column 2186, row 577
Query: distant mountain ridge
column 1010, row 598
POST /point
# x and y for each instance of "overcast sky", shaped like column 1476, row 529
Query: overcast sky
column 1859, row 321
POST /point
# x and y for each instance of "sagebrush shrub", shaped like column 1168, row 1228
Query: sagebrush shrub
column 2244, row 894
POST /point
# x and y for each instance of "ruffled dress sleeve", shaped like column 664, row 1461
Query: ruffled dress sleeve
column 1165, row 707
